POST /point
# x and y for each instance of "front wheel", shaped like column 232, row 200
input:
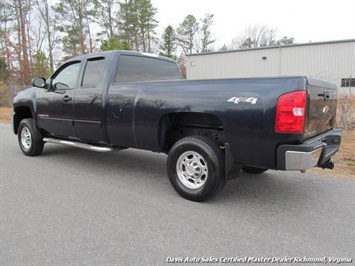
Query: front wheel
column 196, row 168
column 29, row 138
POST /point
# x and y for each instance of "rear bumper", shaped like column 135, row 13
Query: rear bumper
column 313, row 152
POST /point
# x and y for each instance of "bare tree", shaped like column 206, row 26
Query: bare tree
column 47, row 17
column 255, row 36
column 7, row 16
column 21, row 40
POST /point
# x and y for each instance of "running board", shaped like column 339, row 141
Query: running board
column 78, row 145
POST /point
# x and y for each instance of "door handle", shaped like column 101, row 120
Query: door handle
column 66, row 98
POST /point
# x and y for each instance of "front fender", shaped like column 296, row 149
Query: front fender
column 24, row 106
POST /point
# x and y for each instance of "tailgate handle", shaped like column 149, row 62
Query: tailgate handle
column 325, row 95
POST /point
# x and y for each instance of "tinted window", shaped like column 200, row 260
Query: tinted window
column 67, row 76
column 136, row 68
column 93, row 72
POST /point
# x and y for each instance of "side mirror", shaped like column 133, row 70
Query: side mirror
column 39, row 82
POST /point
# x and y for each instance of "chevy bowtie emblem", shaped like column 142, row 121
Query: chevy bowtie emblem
column 325, row 109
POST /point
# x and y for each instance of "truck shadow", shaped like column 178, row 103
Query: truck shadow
column 275, row 188
column 271, row 187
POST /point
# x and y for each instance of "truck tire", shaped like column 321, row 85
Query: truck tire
column 29, row 138
column 253, row 170
column 196, row 168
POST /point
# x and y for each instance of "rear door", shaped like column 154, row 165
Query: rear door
column 88, row 104
column 322, row 107
column 125, row 105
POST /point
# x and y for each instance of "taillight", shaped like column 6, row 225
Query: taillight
column 291, row 112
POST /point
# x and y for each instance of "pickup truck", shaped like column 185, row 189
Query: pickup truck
column 210, row 129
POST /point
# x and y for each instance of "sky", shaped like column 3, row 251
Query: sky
column 304, row 20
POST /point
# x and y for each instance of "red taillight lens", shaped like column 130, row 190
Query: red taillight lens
column 291, row 112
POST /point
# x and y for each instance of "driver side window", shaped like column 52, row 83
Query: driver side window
column 67, row 77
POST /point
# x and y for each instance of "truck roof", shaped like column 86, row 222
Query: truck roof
column 125, row 52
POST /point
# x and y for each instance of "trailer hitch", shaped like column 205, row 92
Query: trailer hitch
column 327, row 165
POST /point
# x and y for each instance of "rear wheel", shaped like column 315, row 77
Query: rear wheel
column 253, row 170
column 196, row 168
column 29, row 138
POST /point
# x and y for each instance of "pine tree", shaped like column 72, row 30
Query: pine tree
column 74, row 17
column 129, row 23
column 147, row 23
column 137, row 21
column 206, row 39
column 106, row 18
column 285, row 41
column 186, row 34
column 169, row 39
column 113, row 44
column 41, row 66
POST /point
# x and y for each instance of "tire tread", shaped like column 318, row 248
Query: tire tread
column 37, row 139
column 216, row 154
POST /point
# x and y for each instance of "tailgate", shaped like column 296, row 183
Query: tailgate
column 321, row 107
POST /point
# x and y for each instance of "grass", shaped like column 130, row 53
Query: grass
column 344, row 159
column 346, row 112
column 5, row 114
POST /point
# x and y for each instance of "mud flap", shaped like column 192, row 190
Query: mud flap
column 232, row 170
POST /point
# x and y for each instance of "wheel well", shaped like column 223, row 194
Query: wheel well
column 21, row 113
column 175, row 126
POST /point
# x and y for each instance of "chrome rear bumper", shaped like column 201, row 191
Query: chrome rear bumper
column 313, row 152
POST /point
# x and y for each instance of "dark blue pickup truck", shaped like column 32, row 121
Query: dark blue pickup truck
column 210, row 129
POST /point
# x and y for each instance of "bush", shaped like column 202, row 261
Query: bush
column 346, row 112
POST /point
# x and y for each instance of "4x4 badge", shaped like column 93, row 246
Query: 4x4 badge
column 236, row 100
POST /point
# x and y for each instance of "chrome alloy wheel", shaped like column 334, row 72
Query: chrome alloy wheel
column 192, row 170
column 26, row 138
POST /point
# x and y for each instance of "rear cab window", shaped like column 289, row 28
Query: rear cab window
column 139, row 68
column 93, row 72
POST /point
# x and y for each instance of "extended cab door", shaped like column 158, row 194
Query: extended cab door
column 88, row 103
column 55, row 111
column 128, row 107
